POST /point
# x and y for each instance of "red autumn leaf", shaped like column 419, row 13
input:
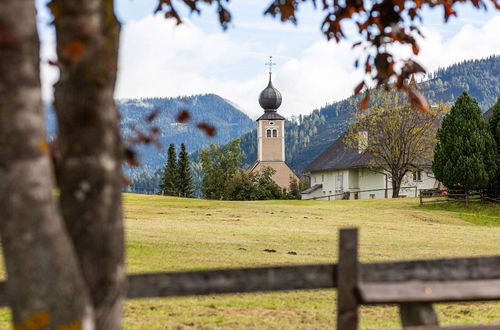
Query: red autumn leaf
column 183, row 116
column 418, row 99
column 152, row 115
column 359, row 88
column 414, row 48
column 207, row 128
column 131, row 157
column 365, row 100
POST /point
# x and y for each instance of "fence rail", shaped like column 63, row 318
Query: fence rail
column 348, row 193
column 442, row 195
column 411, row 284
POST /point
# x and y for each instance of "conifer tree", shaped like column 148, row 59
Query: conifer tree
column 169, row 184
column 465, row 156
column 495, row 131
column 184, row 176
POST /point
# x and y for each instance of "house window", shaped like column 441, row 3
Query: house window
column 417, row 175
column 372, row 196
column 356, row 195
column 275, row 133
column 268, row 133
column 271, row 123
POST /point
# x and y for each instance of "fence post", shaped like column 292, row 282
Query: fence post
column 421, row 201
column 347, row 280
column 417, row 314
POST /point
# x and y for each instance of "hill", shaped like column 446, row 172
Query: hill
column 309, row 135
column 229, row 121
column 173, row 234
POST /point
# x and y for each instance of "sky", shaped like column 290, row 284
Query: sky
column 160, row 59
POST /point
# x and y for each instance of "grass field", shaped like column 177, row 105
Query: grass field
column 170, row 234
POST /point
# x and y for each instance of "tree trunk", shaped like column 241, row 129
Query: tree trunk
column 396, row 185
column 91, row 148
column 45, row 287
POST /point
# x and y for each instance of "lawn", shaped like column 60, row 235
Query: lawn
column 171, row 234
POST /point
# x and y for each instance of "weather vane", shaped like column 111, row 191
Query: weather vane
column 270, row 64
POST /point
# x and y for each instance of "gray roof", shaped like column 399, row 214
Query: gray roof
column 271, row 115
column 313, row 188
column 339, row 156
column 270, row 97
column 487, row 114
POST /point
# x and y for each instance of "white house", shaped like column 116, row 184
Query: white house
column 341, row 172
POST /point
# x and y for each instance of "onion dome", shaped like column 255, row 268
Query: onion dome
column 270, row 98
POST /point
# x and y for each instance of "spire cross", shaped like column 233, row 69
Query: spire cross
column 270, row 64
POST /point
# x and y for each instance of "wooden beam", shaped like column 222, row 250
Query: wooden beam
column 347, row 280
column 205, row 282
column 457, row 327
column 456, row 269
column 231, row 281
column 417, row 314
column 416, row 291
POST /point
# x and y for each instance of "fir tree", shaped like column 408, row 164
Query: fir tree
column 169, row 185
column 495, row 131
column 465, row 156
column 184, row 176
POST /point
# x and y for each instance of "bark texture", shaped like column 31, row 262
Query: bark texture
column 91, row 149
column 45, row 288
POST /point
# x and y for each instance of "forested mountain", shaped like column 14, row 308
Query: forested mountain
column 308, row 136
column 229, row 121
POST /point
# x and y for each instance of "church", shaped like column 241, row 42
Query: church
column 271, row 136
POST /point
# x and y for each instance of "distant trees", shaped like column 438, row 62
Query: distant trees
column 465, row 156
column 296, row 187
column 223, row 177
column 184, row 176
column 169, row 181
column 246, row 185
column 494, row 123
column 177, row 178
column 219, row 165
column 398, row 137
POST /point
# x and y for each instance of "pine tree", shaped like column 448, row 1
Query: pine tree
column 465, row 156
column 169, row 185
column 184, row 176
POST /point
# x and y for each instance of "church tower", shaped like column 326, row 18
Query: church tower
column 271, row 135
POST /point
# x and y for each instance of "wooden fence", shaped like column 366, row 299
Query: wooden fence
column 440, row 195
column 347, row 194
column 413, row 285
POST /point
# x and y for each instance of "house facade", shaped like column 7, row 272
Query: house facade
column 341, row 172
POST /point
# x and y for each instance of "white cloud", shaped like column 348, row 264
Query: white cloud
column 160, row 59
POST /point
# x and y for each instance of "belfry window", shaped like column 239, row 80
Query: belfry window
column 275, row 133
column 268, row 133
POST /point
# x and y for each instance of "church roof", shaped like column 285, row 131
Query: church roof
column 268, row 115
column 339, row 156
column 270, row 98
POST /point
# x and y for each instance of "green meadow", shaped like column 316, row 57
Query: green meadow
column 172, row 234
